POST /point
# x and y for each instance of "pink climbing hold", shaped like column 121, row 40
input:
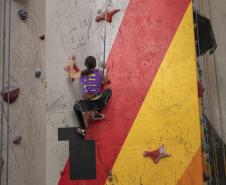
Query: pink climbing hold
column 109, row 15
column 10, row 94
column 157, row 154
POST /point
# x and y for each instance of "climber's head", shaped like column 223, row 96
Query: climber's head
column 90, row 62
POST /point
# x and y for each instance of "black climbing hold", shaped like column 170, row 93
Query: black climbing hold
column 17, row 140
column 42, row 37
column 23, row 14
column 38, row 74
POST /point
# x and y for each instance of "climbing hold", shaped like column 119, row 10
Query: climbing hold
column 200, row 89
column 110, row 178
column 72, row 69
column 61, row 173
column 157, row 154
column 44, row 82
column 38, row 74
column 109, row 16
column 17, row 140
column 10, row 94
column 42, row 37
column 23, row 14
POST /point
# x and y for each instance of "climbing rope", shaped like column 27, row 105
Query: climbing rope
column 3, row 84
column 210, row 110
column 105, row 35
column 6, row 60
column 218, row 95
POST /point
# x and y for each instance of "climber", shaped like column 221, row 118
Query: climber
column 94, row 99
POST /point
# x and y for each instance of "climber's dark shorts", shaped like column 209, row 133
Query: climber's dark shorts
column 91, row 105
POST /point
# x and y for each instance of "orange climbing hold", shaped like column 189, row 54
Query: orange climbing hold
column 157, row 154
column 109, row 15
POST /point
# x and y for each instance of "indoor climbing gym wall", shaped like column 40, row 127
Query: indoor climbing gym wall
column 151, row 131
column 153, row 112
column 72, row 28
column 24, row 118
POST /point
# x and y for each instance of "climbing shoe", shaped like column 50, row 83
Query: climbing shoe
column 97, row 116
column 81, row 131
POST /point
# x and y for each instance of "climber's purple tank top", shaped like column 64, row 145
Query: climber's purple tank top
column 91, row 84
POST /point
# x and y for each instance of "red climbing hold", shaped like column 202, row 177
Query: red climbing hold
column 200, row 89
column 61, row 173
column 10, row 94
column 109, row 16
column 157, row 154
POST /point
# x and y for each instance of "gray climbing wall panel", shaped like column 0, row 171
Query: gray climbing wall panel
column 28, row 113
column 216, row 11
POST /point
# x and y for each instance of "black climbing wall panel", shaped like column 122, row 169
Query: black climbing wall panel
column 82, row 154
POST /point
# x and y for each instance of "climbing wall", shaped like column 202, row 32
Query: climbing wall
column 153, row 72
column 27, row 115
column 151, row 55
column 71, row 29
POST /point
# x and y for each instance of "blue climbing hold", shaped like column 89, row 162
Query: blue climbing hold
column 23, row 14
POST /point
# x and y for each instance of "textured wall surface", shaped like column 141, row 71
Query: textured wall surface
column 28, row 113
column 46, row 103
column 71, row 29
